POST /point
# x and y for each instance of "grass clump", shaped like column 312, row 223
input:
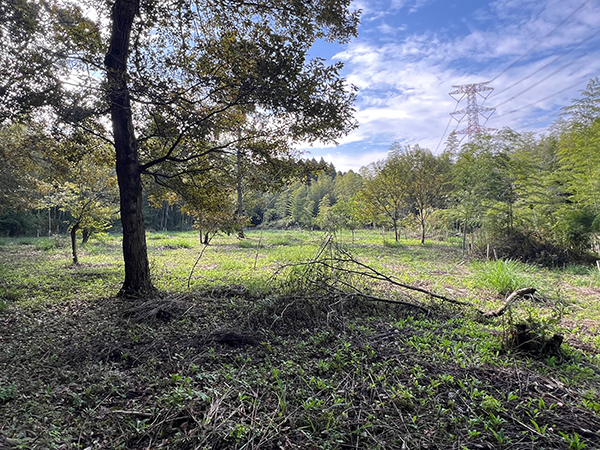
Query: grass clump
column 502, row 276
column 180, row 242
column 392, row 244
column 7, row 392
column 46, row 244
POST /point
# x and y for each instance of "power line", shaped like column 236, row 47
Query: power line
column 543, row 119
column 554, row 30
column 446, row 130
column 541, row 100
column 548, row 64
column 473, row 110
column 517, row 14
column 542, row 80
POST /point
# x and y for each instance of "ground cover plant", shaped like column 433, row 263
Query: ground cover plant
column 279, row 341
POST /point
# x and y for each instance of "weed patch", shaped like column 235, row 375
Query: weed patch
column 502, row 276
column 7, row 392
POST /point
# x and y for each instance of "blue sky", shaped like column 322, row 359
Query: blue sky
column 538, row 55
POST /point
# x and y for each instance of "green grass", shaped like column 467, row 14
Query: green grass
column 503, row 276
column 315, row 370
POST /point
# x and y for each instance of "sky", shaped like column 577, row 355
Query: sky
column 537, row 55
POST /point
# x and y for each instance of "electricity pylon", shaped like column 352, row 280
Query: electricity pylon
column 473, row 110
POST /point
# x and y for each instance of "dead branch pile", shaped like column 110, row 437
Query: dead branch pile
column 334, row 273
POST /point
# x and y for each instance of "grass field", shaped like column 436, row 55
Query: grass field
column 245, row 348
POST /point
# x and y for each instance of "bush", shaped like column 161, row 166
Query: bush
column 525, row 247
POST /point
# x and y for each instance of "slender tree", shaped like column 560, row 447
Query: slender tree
column 384, row 190
column 427, row 183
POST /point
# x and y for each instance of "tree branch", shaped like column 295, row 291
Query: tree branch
column 509, row 301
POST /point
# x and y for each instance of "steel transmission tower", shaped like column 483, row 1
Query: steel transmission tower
column 473, row 110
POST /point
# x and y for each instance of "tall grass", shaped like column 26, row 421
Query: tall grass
column 503, row 276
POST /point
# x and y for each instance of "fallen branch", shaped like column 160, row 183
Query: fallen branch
column 131, row 413
column 374, row 274
column 195, row 264
column 509, row 301
column 340, row 265
column 386, row 300
column 358, row 293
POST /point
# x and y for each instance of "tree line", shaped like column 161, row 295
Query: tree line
column 536, row 194
column 496, row 188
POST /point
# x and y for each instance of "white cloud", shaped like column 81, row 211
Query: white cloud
column 343, row 162
column 413, row 5
column 404, row 84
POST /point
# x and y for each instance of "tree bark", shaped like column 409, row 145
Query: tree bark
column 135, row 255
column 85, row 235
column 240, row 204
column 74, row 229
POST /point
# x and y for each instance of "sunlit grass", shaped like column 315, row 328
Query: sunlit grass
column 175, row 262
column 502, row 276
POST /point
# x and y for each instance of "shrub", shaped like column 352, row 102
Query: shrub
column 528, row 248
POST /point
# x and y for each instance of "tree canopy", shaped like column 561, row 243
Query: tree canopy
column 181, row 80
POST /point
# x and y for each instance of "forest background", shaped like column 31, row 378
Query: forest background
column 534, row 198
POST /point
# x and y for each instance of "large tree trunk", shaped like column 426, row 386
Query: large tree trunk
column 137, row 270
